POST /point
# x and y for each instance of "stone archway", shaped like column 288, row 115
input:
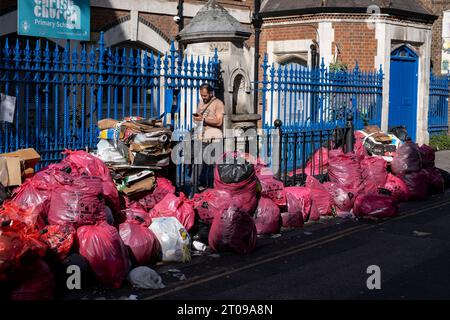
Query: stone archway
column 146, row 34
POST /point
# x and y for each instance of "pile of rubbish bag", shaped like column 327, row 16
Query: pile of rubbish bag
column 81, row 211
column 73, row 213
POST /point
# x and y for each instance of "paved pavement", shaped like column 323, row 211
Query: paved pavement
column 443, row 160
column 326, row 260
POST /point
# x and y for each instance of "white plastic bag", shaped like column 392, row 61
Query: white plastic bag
column 145, row 278
column 108, row 153
column 174, row 239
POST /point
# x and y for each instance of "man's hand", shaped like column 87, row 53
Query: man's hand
column 197, row 117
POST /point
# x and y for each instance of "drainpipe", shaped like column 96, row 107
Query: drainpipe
column 257, row 23
column 179, row 19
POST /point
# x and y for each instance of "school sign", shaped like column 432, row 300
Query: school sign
column 64, row 19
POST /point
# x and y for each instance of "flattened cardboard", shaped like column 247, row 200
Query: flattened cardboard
column 30, row 156
column 14, row 165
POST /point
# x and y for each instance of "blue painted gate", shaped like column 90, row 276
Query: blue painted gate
column 403, row 90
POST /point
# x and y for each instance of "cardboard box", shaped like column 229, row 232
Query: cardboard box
column 30, row 156
column 14, row 165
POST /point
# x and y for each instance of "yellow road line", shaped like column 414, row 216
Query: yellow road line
column 302, row 247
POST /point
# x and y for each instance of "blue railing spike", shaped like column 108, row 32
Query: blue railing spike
column 216, row 55
column 102, row 38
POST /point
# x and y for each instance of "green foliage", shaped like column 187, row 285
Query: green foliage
column 440, row 142
column 338, row 66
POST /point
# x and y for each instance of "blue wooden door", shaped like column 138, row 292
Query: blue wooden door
column 403, row 90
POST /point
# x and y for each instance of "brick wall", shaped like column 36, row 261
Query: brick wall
column 357, row 43
column 6, row 5
column 286, row 32
column 437, row 7
column 101, row 17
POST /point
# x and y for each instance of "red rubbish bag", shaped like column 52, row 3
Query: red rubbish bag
column 299, row 203
column 407, row 159
column 136, row 213
column 102, row 246
column 243, row 193
column 428, row 155
column 271, row 188
column 397, row 187
column 24, row 220
column 80, row 204
column 163, row 188
column 375, row 205
column 345, row 169
column 149, row 199
column 436, row 181
column 211, row 203
column 417, row 183
column 38, row 285
column 343, row 199
column 374, row 173
column 59, row 239
column 267, row 217
column 359, row 148
column 234, row 230
column 142, row 242
column 322, row 203
column 178, row 207
column 29, row 198
column 18, row 252
column 85, row 164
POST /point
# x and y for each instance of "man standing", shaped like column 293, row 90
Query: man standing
column 209, row 120
column 210, row 112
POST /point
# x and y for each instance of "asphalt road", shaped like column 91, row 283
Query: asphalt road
column 326, row 260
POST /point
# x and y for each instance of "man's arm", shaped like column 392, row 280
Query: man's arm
column 216, row 121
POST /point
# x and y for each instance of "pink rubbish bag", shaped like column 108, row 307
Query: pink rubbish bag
column 102, row 246
column 81, row 203
column 343, row 199
column 428, row 155
column 375, row 205
column 211, row 203
column 234, row 230
column 271, row 188
column 407, row 159
column 417, row 183
column 345, row 169
column 436, row 181
column 178, row 207
column 267, row 217
column 299, row 203
column 397, row 187
column 144, row 245
column 322, row 202
column 374, row 173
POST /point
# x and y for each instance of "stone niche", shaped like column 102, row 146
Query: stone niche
column 213, row 28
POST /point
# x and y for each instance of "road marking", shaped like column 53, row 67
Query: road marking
column 296, row 249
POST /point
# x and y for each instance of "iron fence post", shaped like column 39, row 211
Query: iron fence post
column 349, row 134
column 278, row 123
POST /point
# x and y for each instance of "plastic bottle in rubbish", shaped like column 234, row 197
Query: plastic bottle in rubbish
column 199, row 246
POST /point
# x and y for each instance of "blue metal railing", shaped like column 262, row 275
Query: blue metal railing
column 312, row 99
column 62, row 92
column 438, row 105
